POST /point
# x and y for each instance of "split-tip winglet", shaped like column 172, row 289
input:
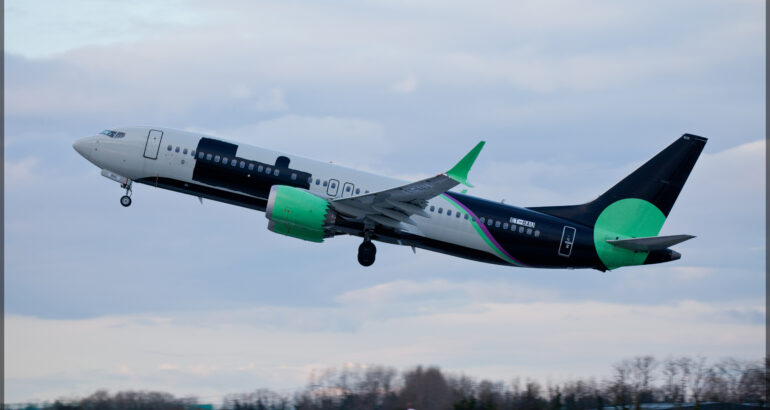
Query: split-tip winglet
column 459, row 172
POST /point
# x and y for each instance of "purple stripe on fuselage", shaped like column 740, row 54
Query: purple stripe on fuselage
column 483, row 229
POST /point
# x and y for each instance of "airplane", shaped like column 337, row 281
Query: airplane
column 314, row 200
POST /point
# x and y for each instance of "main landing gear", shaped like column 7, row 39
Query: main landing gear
column 125, row 200
column 366, row 251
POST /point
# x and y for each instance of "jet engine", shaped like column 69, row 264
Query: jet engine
column 298, row 213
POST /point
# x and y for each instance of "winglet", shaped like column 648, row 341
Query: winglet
column 459, row 172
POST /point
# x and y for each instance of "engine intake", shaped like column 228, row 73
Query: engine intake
column 298, row 213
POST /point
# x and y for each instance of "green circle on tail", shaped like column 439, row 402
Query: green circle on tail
column 624, row 219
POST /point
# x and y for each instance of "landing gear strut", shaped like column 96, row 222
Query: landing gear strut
column 125, row 200
column 366, row 251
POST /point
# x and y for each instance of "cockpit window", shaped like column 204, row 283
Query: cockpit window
column 113, row 134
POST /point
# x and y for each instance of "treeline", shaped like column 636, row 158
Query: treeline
column 634, row 383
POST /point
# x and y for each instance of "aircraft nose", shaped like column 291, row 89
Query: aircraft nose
column 82, row 146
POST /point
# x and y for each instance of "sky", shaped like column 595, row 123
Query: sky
column 201, row 299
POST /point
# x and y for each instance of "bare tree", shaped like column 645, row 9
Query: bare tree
column 634, row 382
column 699, row 374
column 619, row 388
column 262, row 399
column 752, row 388
column 641, row 377
column 672, row 388
column 425, row 389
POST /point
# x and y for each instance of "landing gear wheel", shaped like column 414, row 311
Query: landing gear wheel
column 125, row 200
column 366, row 253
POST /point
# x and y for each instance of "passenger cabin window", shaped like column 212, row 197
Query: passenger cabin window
column 293, row 176
column 184, row 151
column 482, row 219
column 497, row 224
column 234, row 162
column 358, row 191
column 449, row 212
column 489, row 222
column 317, row 181
column 251, row 167
column 347, row 188
column 505, row 225
column 521, row 229
column 177, row 149
column 260, row 168
column 457, row 214
column 169, row 148
column 466, row 217
column 537, row 233
column 224, row 160
column 267, row 170
column 216, row 158
column 334, row 185
column 326, row 183
column 192, row 153
column 200, row 155
column 441, row 210
column 432, row 208
column 529, row 231
column 208, row 157
column 243, row 164
column 275, row 172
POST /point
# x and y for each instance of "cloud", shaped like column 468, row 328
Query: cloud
column 448, row 46
column 488, row 339
column 351, row 141
column 406, row 85
column 692, row 272
column 411, row 298
column 84, row 23
column 272, row 101
column 21, row 172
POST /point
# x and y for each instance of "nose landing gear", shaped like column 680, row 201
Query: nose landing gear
column 125, row 200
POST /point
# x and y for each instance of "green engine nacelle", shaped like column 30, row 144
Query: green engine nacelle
column 297, row 213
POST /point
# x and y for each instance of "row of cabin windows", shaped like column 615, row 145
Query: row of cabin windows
column 177, row 150
column 243, row 165
column 260, row 168
column 490, row 222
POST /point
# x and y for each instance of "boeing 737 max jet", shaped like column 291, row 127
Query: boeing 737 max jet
column 314, row 200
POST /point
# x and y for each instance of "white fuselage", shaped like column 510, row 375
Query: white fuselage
column 171, row 154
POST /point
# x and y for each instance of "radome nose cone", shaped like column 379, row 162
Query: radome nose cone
column 81, row 146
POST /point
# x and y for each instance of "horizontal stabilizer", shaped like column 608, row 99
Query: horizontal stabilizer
column 652, row 243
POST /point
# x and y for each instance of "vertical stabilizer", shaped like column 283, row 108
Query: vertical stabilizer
column 636, row 207
column 658, row 182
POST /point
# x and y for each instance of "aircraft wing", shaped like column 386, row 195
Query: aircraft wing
column 394, row 206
